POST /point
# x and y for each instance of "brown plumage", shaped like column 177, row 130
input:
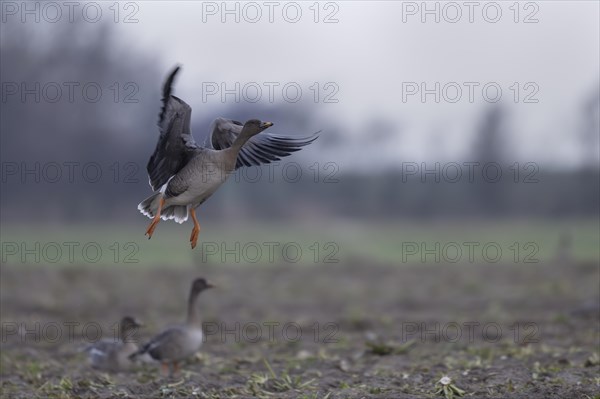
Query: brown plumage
column 184, row 174
column 179, row 342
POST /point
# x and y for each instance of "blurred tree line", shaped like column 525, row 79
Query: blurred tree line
column 117, row 131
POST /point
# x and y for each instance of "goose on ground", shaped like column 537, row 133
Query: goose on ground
column 113, row 354
column 176, row 343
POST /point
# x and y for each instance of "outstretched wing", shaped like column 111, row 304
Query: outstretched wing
column 261, row 149
column 176, row 145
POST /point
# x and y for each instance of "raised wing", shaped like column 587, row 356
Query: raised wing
column 261, row 149
column 176, row 145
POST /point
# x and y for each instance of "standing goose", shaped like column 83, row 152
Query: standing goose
column 178, row 342
column 113, row 355
column 184, row 174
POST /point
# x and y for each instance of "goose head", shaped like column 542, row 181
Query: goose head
column 253, row 127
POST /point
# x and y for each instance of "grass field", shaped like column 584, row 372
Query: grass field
column 370, row 324
column 383, row 330
column 307, row 243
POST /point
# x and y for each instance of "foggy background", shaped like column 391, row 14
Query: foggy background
column 455, row 180
column 368, row 168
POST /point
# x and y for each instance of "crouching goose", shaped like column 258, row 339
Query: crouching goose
column 178, row 342
column 114, row 355
column 184, row 174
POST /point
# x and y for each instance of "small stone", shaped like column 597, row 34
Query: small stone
column 344, row 365
column 445, row 380
column 303, row 354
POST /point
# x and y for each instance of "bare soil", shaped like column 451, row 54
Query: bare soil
column 358, row 330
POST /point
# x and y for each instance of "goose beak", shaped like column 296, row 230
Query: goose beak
column 266, row 125
column 209, row 285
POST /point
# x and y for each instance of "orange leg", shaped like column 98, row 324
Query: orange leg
column 156, row 219
column 196, row 230
column 175, row 367
column 164, row 367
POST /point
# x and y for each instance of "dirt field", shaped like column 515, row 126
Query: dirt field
column 537, row 334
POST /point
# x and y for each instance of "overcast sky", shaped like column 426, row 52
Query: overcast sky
column 372, row 54
column 376, row 49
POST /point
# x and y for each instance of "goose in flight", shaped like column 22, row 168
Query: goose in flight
column 184, row 174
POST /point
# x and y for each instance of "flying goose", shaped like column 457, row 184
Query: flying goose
column 178, row 342
column 184, row 174
column 113, row 355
